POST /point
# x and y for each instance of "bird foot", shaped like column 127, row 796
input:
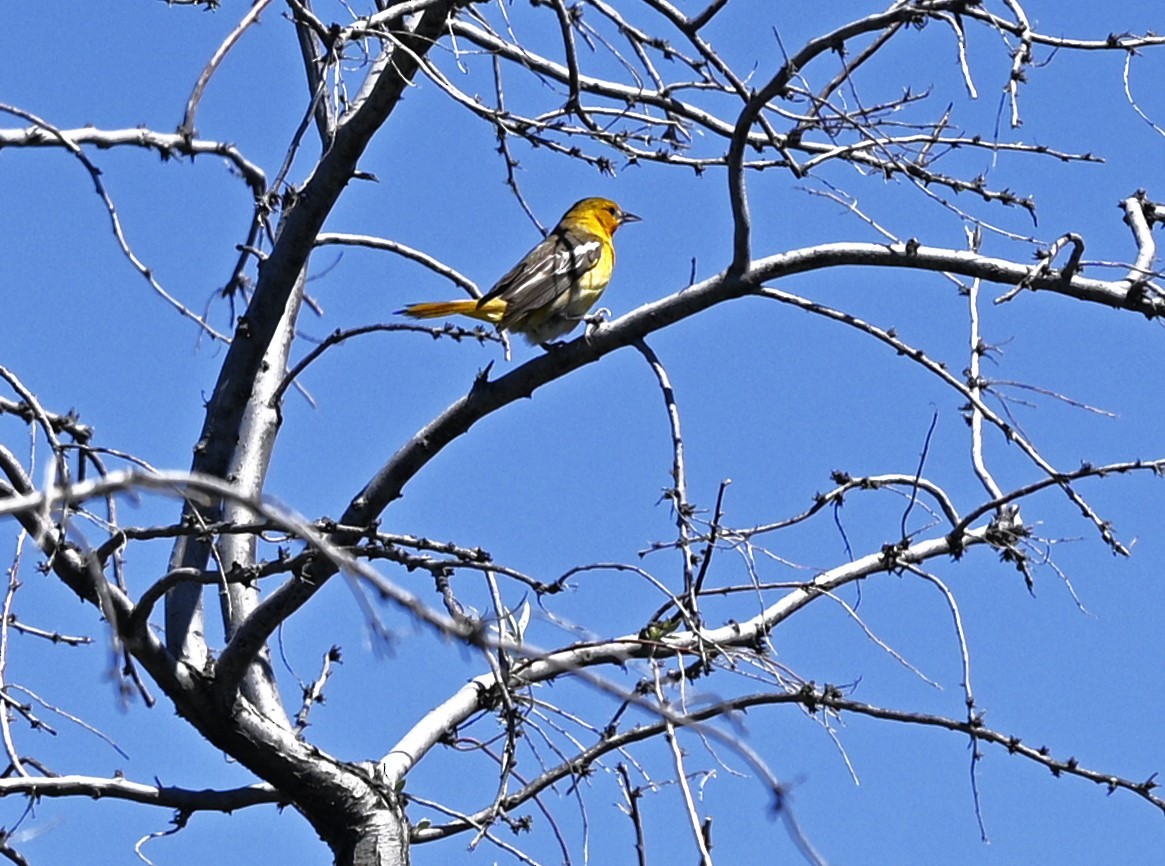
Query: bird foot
column 595, row 319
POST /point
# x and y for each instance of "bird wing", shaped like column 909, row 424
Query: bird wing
column 548, row 272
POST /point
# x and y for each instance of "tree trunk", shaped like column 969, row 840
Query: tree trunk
column 382, row 840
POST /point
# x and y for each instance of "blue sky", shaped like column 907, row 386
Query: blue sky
column 770, row 397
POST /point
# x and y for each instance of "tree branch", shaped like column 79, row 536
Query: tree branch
column 95, row 787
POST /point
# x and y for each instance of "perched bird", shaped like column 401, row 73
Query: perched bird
column 549, row 291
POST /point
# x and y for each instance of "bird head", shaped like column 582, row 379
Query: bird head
column 601, row 210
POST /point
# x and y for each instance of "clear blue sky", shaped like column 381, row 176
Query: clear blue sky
column 770, row 397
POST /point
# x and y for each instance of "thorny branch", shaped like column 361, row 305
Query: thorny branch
column 815, row 699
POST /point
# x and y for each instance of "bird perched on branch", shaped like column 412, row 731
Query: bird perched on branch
column 551, row 290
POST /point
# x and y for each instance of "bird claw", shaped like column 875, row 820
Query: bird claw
column 595, row 319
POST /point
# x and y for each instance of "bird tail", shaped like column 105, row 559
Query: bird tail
column 491, row 311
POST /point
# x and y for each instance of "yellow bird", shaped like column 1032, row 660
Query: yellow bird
column 551, row 290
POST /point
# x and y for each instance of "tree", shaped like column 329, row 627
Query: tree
column 837, row 253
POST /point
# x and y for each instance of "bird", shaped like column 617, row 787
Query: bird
column 546, row 294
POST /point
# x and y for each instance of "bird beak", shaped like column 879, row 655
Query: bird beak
column 630, row 218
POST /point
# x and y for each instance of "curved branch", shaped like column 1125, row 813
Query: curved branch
column 895, row 15
column 846, row 483
column 374, row 243
column 166, row 145
column 813, row 698
column 186, row 128
column 340, row 336
column 1156, row 467
column 140, row 617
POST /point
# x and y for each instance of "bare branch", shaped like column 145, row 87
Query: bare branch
column 1138, row 211
column 95, row 175
column 678, row 495
column 314, row 693
column 166, row 145
column 186, row 128
column 435, row 265
column 669, row 734
column 204, row 800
